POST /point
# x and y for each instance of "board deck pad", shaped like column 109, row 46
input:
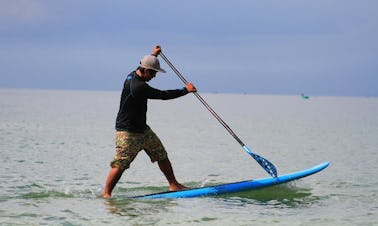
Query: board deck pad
column 237, row 186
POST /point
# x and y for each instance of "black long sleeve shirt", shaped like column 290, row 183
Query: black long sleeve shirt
column 132, row 112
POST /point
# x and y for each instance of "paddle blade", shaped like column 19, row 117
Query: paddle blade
column 264, row 163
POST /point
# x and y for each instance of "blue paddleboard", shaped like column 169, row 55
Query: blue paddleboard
column 236, row 187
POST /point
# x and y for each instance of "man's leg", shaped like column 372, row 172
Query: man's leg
column 113, row 177
column 166, row 167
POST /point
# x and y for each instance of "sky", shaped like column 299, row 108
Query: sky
column 274, row 47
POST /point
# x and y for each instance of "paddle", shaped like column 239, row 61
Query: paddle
column 268, row 166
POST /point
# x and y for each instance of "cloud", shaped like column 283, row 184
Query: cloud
column 14, row 13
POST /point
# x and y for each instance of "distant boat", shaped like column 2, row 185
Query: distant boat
column 304, row 96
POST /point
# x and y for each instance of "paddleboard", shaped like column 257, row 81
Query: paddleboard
column 237, row 186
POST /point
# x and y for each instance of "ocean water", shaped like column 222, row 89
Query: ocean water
column 56, row 147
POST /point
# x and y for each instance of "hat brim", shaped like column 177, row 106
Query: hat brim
column 155, row 69
column 160, row 70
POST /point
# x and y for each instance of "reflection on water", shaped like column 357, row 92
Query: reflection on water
column 278, row 195
column 148, row 210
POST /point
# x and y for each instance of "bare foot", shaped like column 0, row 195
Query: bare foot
column 177, row 187
column 106, row 196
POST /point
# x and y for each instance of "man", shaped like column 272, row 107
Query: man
column 132, row 132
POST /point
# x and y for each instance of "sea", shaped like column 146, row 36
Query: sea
column 56, row 145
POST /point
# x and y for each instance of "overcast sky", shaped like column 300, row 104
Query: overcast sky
column 319, row 47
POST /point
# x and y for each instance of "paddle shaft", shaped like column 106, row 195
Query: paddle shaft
column 266, row 164
column 208, row 107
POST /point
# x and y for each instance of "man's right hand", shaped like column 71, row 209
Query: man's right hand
column 190, row 88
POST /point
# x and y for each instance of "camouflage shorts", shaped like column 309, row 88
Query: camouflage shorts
column 128, row 145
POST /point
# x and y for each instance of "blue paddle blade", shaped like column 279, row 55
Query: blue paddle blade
column 264, row 163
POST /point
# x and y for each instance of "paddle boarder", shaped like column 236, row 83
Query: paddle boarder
column 132, row 132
